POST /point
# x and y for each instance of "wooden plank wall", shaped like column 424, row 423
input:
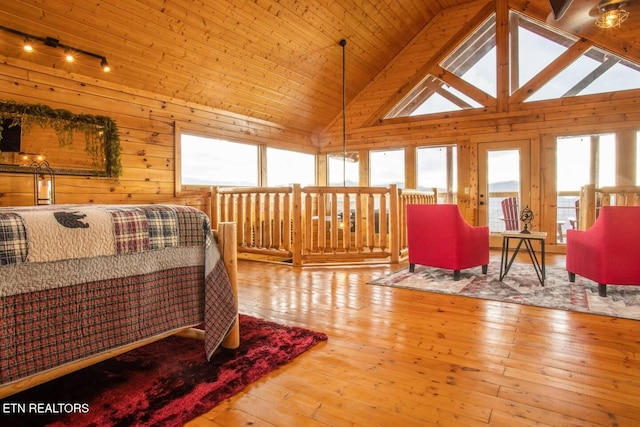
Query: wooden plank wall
column 146, row 124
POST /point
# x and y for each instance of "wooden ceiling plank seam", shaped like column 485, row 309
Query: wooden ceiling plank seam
column 380, row 11
column 259, row 35
column 303, row 43
column 329, row 25
column 423, row 10
column 353, row 28
column 336, row 91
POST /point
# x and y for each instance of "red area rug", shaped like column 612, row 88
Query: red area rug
column 166, row 383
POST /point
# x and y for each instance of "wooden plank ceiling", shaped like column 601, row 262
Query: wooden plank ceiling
column 274, row 60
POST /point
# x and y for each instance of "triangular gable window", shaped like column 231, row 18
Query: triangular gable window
column 474, row 61
column 533, row 47
column 596, row 71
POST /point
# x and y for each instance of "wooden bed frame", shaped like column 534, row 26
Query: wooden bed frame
column 227, row 243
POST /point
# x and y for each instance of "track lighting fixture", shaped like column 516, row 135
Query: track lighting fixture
column 70, row 53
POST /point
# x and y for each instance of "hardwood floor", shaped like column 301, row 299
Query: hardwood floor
column 398, row 357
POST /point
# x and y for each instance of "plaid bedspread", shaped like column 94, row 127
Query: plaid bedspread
column 77, row 280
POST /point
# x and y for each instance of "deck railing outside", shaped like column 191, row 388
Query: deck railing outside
column 314, row 224
column 592, row 198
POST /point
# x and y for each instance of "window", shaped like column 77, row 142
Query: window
column 437, row 167
column 475, row 59
column 596, row 71
column 344, row 170
column 286, row 167
column 576, row 167
column 533, row 47
column 386, row 167
column 210, row 161
column 541, row 45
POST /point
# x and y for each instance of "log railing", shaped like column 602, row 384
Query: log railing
column 592, row 198
column 313, row 224
column 412, row 197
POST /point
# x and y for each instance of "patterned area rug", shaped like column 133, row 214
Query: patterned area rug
column 521, row 286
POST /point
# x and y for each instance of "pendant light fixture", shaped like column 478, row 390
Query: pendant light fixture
column 343, row 43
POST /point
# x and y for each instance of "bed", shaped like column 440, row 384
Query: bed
column 81, row 283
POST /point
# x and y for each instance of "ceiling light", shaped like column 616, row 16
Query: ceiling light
column 27, row 46
column 68, row 56
column 105, row 65
column 612, row 15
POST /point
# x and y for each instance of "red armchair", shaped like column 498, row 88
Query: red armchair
column 609, row 252
column 438, row 236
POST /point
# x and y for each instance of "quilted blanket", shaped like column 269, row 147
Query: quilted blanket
column 76, row 280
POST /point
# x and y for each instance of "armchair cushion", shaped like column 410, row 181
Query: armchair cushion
column 438, row 236
column 609, row 251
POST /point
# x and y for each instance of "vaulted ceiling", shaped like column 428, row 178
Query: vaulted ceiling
column 274, row 60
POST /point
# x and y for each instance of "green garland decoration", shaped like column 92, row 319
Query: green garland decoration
column 102, row 141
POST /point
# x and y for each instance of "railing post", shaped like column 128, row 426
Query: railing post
column 228, row 245
column 394, row 224
column 296, row 249
column 587, row 206
column 215, row 207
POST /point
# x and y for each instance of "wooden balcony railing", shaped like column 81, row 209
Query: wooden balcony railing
column 592, row 198
column 313, row 224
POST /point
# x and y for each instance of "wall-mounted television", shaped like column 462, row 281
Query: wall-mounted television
column 11, row 136
column 559, row 7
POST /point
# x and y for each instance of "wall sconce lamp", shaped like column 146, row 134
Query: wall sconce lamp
column 69, row 52
column 44, row 183
column 612, row 14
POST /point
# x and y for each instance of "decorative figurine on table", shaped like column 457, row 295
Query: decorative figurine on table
column 526, row 216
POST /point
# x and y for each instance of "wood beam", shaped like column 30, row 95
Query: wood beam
column 463, row 86
column 550, row 71
column 502, row 55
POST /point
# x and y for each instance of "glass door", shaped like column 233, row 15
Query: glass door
column 504, row 173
